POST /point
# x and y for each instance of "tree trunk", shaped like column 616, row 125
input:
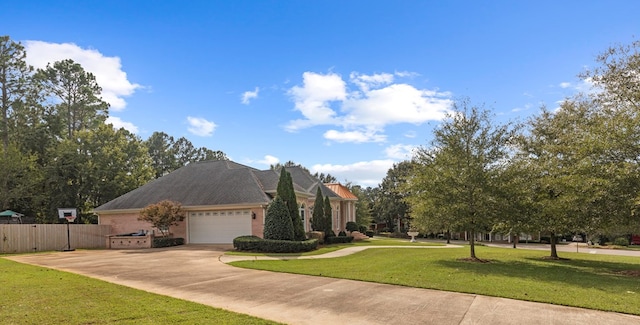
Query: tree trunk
column 472, row 241
column 554, row 252
column 515, row 238
column 5, row 116
column 448, row 234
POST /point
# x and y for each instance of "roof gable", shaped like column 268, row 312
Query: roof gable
column 342, row 191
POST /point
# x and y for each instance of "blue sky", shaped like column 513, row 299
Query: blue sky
column 341, row 87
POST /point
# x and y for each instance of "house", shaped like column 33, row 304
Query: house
column 223, row 200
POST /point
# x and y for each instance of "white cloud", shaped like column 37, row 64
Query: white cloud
column 520, row 109
column 107, row 70
column 396, row 103
column 247, row 96
column 365, row 173
column 375, row 102
column 365, row 82
column 400, row 151
column 200, row 126
column 119, row 123
column 355, row 136
column 314, row 97
column 585, row 85
column 405, row 74
column 269, row 160
column 411, row 134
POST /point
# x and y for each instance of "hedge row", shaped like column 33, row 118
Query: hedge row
column 338, row 239
column 167, row 242
column 257, row 244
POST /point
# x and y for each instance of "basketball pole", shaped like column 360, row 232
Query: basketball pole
column 68, row 239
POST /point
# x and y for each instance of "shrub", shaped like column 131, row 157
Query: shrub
column 247, row 243
column 398, row 234
column 329, row 233
column 278, row 224
column 362, row 229
column 621, row 241
column 342, row 233
column 285, row 246
column 167, row 242
column 602, row 240
column 352, row 226
column 369, row 233
column 257, row 244
column 338, row 240
column 547, row 239
column 319, row 235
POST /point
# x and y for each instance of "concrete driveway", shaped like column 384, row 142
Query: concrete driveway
column 195, row 273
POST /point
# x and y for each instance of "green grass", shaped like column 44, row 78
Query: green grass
column 334, row 247
column 589, row 281
column 36, row 295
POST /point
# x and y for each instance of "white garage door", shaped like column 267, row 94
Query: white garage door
column 218, row 227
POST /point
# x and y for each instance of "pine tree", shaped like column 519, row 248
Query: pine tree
column 292, row 203
column 286, row 192
column 328, row 218
column 317, row 219
column 277, row 224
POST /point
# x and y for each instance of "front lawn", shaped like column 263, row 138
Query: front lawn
column 610, row 283
column 36, row 295
column 334, row 247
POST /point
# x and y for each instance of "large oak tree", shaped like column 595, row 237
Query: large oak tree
column 454, row 184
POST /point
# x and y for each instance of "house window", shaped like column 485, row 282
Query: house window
column 302, row 216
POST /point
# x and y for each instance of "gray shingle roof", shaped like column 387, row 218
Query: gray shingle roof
column 310, row 184
column 211, row 183
column 197, row 184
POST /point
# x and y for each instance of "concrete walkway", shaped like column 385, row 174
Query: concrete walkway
column 343, row 252
column 196, row 273
column 581, row 248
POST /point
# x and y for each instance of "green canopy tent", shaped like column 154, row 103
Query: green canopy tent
column 11, row 215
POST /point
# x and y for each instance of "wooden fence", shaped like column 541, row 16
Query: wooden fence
column 51, row 237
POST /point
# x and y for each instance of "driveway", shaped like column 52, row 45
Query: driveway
column 195, row 273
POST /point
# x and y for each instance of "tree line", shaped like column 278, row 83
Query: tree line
column 57, row 150
column 574, row 169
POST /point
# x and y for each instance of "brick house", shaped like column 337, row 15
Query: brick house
column 223, row 200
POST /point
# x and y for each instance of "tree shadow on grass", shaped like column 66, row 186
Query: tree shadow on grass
column 574, row 272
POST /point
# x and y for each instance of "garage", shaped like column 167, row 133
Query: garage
column 218, row 227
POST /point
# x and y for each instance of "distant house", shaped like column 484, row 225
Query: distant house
column 223, row 200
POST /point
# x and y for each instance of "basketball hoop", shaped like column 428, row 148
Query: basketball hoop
column 70, row 219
